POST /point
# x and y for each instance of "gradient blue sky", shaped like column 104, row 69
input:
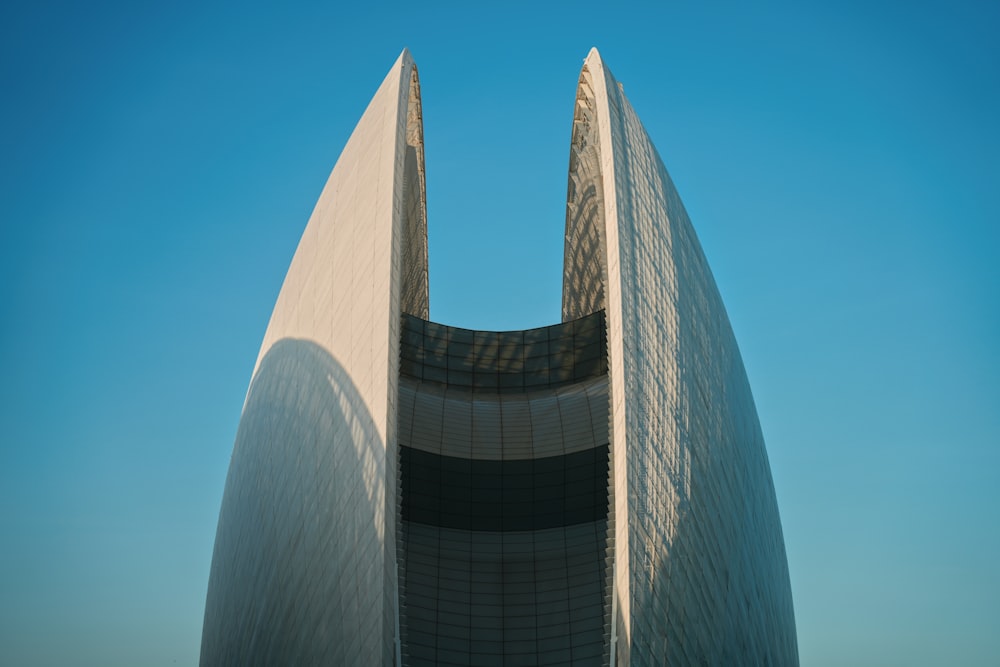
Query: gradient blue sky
column 840, row 163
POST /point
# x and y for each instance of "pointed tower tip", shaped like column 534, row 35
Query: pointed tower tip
column 405, row 57
column 594, row 56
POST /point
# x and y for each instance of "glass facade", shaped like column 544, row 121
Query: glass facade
column 701, row 576
column 503, row 465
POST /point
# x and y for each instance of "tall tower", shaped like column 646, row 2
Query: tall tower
column 595, row 492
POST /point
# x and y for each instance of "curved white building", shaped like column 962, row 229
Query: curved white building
column 595, row 492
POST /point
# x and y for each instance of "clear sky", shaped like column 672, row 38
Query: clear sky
column 839, row 162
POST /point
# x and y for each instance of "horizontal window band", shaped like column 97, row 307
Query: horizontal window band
column 515, row 495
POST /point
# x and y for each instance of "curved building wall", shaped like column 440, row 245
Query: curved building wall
column 304, row 568
column 700, row 568
column 504, row 546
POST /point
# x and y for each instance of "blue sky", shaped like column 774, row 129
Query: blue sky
column 839, row 162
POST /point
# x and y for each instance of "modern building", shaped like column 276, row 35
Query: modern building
column 595, row 492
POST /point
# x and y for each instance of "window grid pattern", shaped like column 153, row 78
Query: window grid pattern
column 504, row 361
column 503, row 465
column 706, row 579
column 304, row 570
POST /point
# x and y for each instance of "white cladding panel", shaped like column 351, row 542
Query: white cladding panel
column 700, row 568
column 304, row 568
